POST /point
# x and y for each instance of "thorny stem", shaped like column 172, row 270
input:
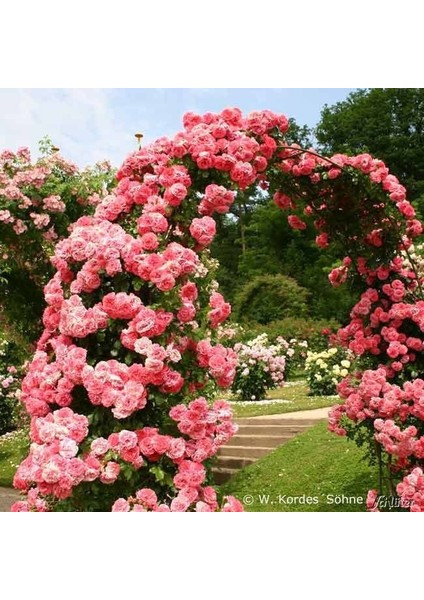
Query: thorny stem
column 301, row 151
column 380, row 466
column 390, row 476
column 334, row 233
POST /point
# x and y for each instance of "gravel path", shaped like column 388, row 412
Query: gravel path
column 315, row 413
column 7, row 498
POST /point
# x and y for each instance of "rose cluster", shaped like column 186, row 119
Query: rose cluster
column 133, row 310
column 62, row 457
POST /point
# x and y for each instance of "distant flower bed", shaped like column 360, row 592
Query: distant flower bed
column 261, row 367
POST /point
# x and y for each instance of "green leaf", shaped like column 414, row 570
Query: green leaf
column 157, row 472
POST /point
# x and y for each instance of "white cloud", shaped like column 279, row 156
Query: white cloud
column 82, row 122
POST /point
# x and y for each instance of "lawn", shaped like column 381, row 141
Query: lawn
column 292, row 397
column 13, row 449
column 315, row 472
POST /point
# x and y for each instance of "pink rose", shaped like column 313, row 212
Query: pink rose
column 149, row 241
column 186, row 313
column 203, row 230
column 121, row 505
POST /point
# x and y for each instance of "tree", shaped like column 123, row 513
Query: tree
column 241, row 213
column 273, row 247
column 269, row 298
column 388, row 123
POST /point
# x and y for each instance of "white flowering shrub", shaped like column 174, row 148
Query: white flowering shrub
column 261, row 366
column 296, row 352
column 326, row 369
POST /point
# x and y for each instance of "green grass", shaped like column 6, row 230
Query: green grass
column 297, row 398
column 13, row 449
column 315, row 464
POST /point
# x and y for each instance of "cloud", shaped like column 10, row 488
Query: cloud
column 93, row 124
column 82, row 122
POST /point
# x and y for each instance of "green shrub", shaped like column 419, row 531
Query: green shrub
column 268, row 298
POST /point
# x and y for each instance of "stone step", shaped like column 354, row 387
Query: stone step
column 222, row 475
column 275, row 429
column 262, row 441
column 247, row 451
column 234, row 462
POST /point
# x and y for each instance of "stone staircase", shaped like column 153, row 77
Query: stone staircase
column 258, row 436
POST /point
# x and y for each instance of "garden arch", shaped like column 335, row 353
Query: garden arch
column 117, row 389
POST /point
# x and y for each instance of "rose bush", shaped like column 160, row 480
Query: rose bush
column 39, row 200
column 117, row 388
column 10, row 379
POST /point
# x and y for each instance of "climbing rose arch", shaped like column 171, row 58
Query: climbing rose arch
column 119, row 387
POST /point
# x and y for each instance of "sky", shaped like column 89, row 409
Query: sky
column 89, row 125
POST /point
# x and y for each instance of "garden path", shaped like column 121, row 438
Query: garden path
column 7, row 498
column 258, row 436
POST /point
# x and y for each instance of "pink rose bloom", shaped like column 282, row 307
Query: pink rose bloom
column 178, row 412
column 175, row 194
column 295, row 222
column 173, row 382
column 147, row 496
column 53, row 204
column 161, row 443
column 186, row 313
column 177, row 448
column 322, row 240
column 283, row 201
column 77, row 470
column 152, row 222
column 188, row 292
column 127, row 439
column 40, row 220
column 68, row 448
column 180, row 504
column 121, row 305
column 203, row 507
column 149, row 241
column 232, row 505
column 20, row 506
column 19, row 227
column 371, row 501
column 203, row 230
column 243, row 173
column 121, row 505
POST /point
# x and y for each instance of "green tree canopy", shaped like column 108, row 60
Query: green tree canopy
column 267, row 298
column 388, row 123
